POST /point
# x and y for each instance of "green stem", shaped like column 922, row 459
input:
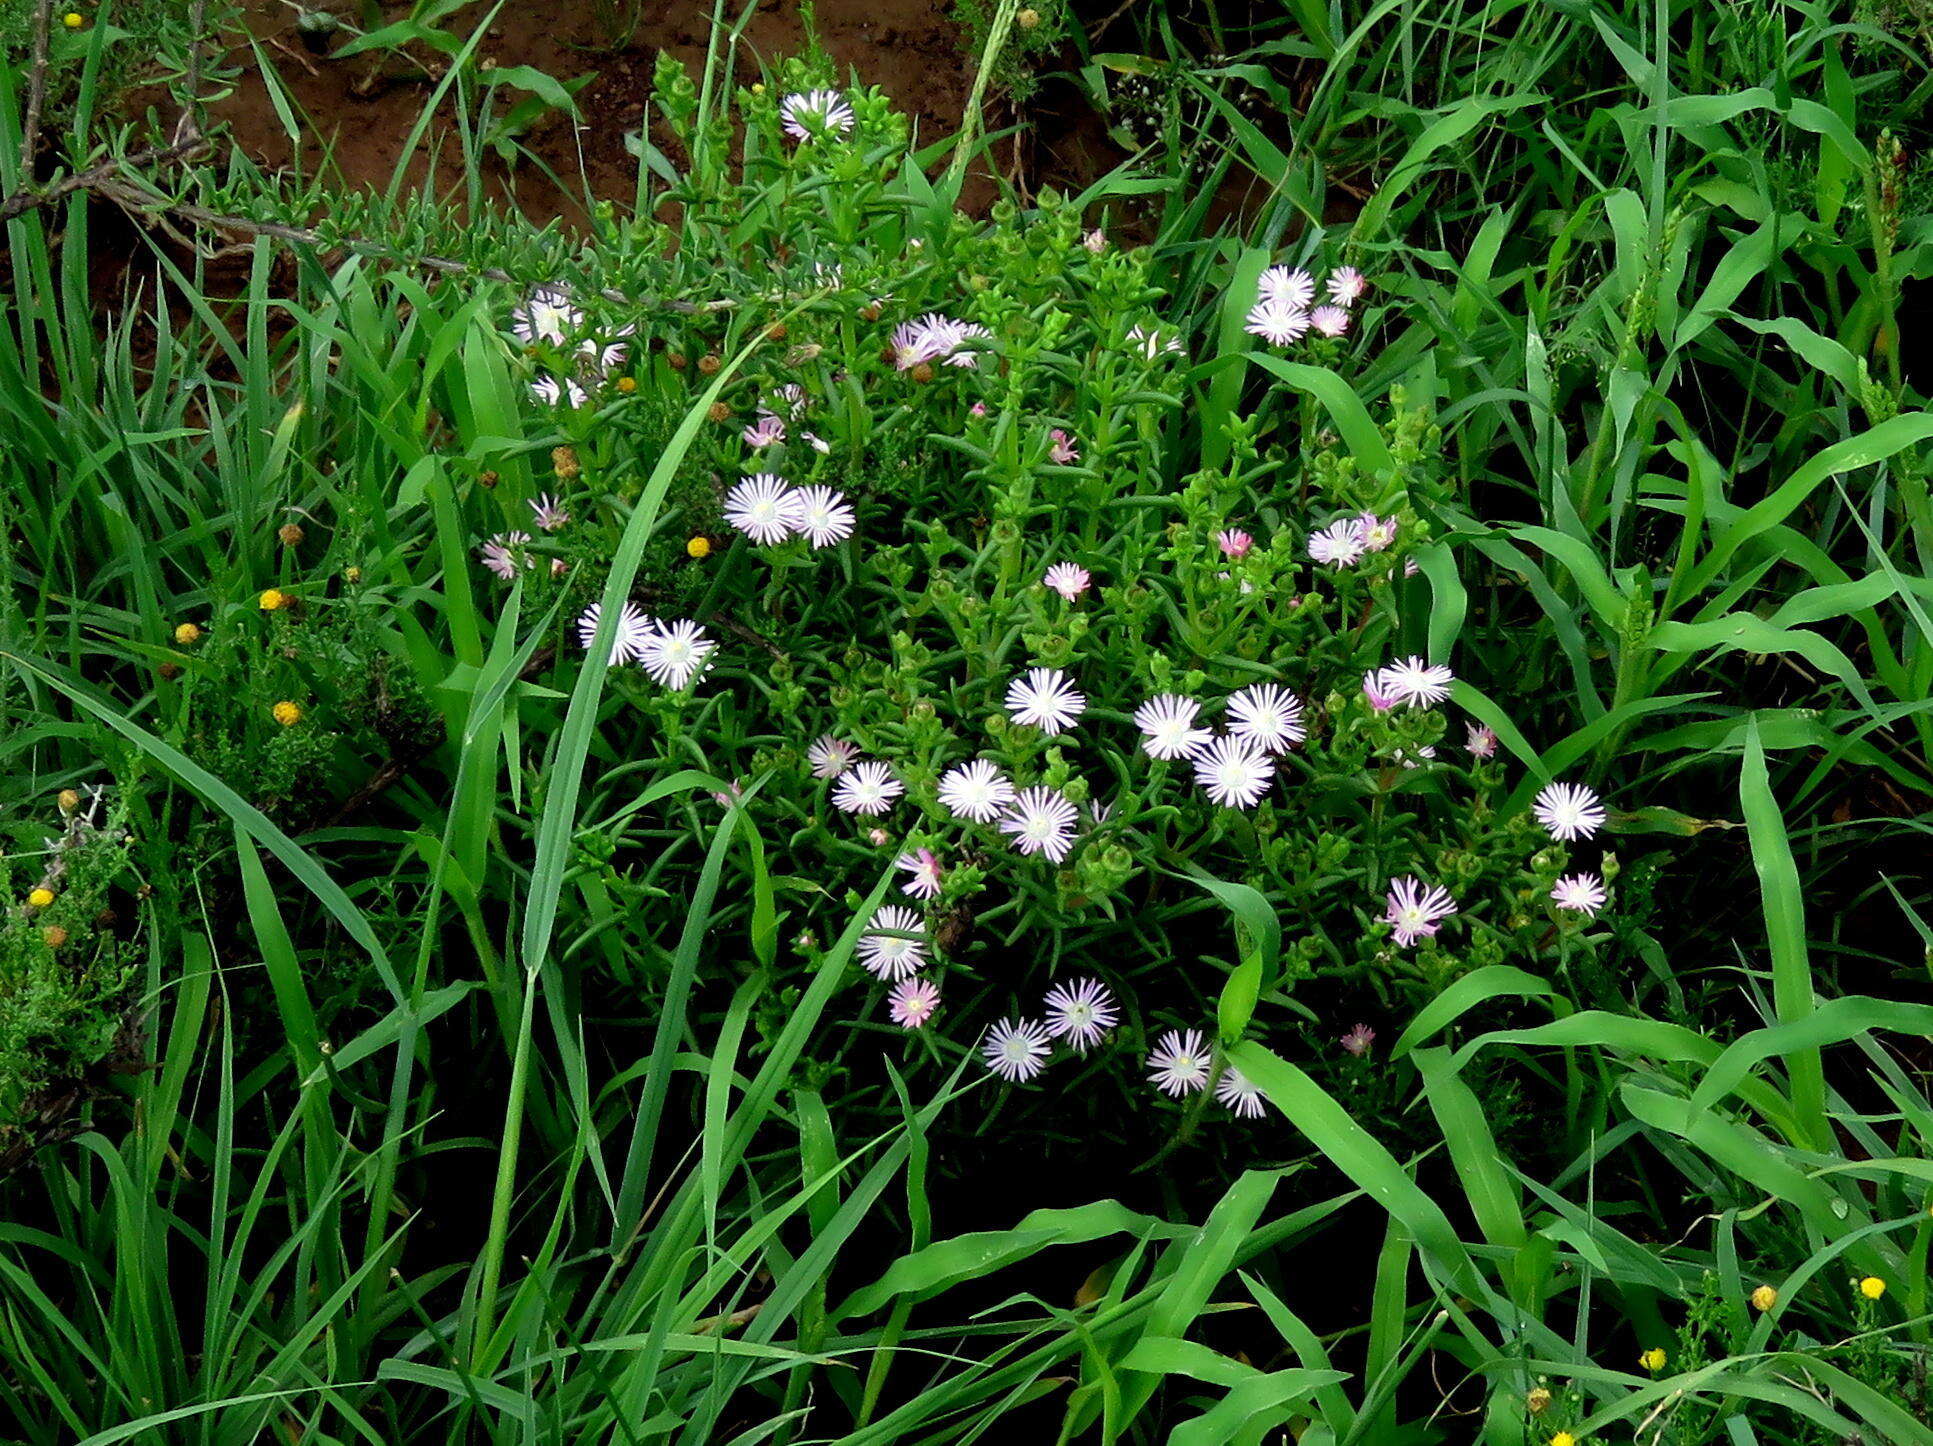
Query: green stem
column 513, row 1122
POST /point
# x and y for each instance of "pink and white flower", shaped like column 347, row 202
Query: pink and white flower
column 1376, row 533
column 1152, row 343
column 1373, row 689
column 506, row 555
column 1345, row 286
column 1179, row 1063
column 547, row 515
column 1480, row 741
column 924, row 867
column 913, row 1002
column 1234, row 544
column 1330, row 321
column 1267, row 716
column 1235, row 1090
column 763, row 507
column 1095, row 241
column 675, row 652
column 1416, row 910
column 830, row 756
column 1417, row 683
column 894, row 947
column 1082, row 1012
column 550, row 392
column 1068, row 579
column 630, row 631
column 1277, row 321
column 1358, row 1040
column 1045, row 699
column 1041, row 822
column 546, row 315
column 1167, row 722
column 824, row 516
column 1580, row 893
column 1016, row 1049
column 978, row 791
column 1570, row 811
column 1233, row 772
column 1062, row 452
column 867, row 788
column 1289, row 284
column 1337, row 545
column 767, row 431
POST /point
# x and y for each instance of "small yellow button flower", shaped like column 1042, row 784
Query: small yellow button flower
column 68, row 800
column 1764, row 1298
column 40, row 898
column 1872, row 1287
column 627, row 385
column 698, row 547
column 73, row 20
column 187, row 635
column 1653, row 1359
column 272, row 600
column 286, row 713
column 1563, row 1438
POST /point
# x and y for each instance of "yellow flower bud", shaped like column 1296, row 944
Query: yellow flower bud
column 68, row 800
column 1653, row 1359
column 73, row 20
column 272, row 600
column 1764, row 1298
column 286, row 713
column 698, row 547
column 1872, row 1287
column 40, row 898
column 1027, row 19
column 187, row 635
column 627, row 385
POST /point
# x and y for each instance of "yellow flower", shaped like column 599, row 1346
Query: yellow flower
column 68, row 800
column 73, row 20
column 1872, row 1287
column 698, row 547
column 187, row 635
column 1563, row 1438
column 1764, row 1298
column 272, row 600
column 627, row 385
column 40, row 898
column 286, row 713
column 1538, row 1401
column 1653, row 1359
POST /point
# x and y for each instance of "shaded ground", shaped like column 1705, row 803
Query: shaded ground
column 354, row 115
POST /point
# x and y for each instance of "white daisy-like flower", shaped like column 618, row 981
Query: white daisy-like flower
column 1570, row 811
column 924, row 866
column 914, row 342
column 824, row 516
column 1041, row 822
column 674, row 653
column 1345, row 286
column 1417, row 683
column 1337, row 545
column 547, row 514
column 1480, row 740
column 792, row 398
column 1235, row 1090
column 1331, row 321
column 546, row 315
column 1287, row 283
column 1267, row 716
column 1083, row 1012
column 976, row 790
column 815, row 112
column 868, row 788
column 1580, row 893
column 599, row 357
column 830, row 756
column 763, row 507
column 1375, row 692
column 1045, row 699
column 1178, row 1064
column 1167, row 722
column 507, row 554
column 1069, row 579
column 894, row 947
column 1415, row 909
column 913, row 1002
column 1277, row 322
column 550, row 392
column 1016, row 1049
column 629, row 633
column 963, row 355
column 1233, row 772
